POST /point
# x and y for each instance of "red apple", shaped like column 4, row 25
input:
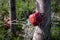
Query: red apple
column 8, row 23
column 35, row 18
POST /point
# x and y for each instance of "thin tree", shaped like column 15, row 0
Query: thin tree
column 42, row 32
column 12, row 15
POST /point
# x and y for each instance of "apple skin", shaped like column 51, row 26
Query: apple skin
column 7, row 23
column 35, row 19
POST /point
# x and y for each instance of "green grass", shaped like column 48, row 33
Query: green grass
column 55, row 33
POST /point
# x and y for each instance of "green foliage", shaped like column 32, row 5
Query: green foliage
column 55, row 5
column 21, row 7
column 55, row 33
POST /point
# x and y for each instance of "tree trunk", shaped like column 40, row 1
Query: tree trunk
column 12, row 15
column 42, row 32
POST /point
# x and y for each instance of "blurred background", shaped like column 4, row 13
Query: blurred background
column 24, row 30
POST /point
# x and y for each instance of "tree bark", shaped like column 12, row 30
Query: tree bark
column 42, row 32
column 12, row 15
